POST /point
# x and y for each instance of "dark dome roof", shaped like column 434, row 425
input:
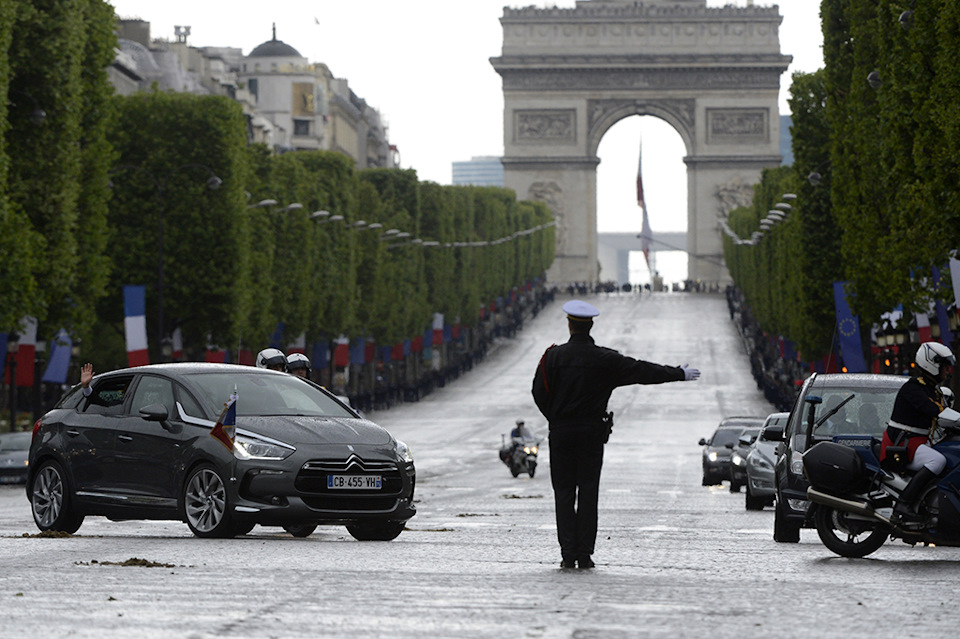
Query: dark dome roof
column 274, row 49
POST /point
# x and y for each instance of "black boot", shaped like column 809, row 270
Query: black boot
column 906, row 507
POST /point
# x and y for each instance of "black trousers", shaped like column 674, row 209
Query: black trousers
column 576, row 456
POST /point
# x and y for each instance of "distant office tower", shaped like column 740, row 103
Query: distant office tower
column 483, row 170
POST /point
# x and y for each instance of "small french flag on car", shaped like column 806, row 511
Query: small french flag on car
column 135, row 325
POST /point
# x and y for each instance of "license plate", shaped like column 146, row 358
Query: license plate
column 354, row 482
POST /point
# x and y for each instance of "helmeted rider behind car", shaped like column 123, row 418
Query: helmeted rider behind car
column 519, row 431
column 298, row 364
column 914, row 416
column 272, row 358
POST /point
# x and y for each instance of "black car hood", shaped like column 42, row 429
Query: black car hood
column 316, row 430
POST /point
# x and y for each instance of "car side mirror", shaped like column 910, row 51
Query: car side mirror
column 703, row 442
column 773, row 433
column 154, row 413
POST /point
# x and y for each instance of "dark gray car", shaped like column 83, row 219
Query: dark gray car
column 760, row 461
column 140, row 447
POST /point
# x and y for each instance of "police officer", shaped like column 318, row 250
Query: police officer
column 298, row 364
column 571, row 387
column 918, row 403
column 272, row 359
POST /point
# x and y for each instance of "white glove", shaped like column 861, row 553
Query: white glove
column 690, row 374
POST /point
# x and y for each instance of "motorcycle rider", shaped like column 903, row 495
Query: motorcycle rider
column 298, row 364
column 918, row 403
column 519, row 431
column 272, row 358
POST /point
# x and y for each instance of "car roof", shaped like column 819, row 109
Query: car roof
column 841, row 380
column 741, row 421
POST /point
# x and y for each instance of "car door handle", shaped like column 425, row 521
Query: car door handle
column 126, row 438
column 73, row 433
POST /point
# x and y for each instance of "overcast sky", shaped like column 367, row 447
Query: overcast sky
column 425, row 65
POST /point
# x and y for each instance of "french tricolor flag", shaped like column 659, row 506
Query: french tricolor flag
column 135, row 325
column 27, row 351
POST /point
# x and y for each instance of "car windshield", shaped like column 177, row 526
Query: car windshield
column 15, row 441
column 725, row 436
column 260, row 394
column 863, row 411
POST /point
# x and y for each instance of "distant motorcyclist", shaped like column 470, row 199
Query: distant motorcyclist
column 918, row 403
column 519, row 431
column 272, row 359
column 298, row 364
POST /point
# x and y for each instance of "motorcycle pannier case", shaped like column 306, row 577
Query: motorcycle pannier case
column 835, row 467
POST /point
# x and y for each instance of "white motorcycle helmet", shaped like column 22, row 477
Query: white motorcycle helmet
column 948, row 397
column 272, row 358
column 297, row 362
column 932, row 355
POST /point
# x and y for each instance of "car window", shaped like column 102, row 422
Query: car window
column 265, row 394
column 108, row 396
column 190, row 405
column 725, row 436
column 152, row 390
column 15, row 441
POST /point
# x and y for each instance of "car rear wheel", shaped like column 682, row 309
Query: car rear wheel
column 376, row 531
column 205, row 504
column 846, row 536
column 784, row 530
column 300, row 530
column 51, row 500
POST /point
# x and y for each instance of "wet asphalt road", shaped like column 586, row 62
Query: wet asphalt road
column 480, row 559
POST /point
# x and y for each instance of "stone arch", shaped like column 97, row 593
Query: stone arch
column 569, row 75
column 603, row 114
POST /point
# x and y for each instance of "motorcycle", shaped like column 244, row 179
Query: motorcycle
column 520, row 455
column 853, row 497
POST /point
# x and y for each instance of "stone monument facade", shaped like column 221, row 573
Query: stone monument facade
column 570, row 74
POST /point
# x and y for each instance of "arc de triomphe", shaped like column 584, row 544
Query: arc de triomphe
column 570, row 74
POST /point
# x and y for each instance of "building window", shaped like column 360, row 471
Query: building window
column 301, row 128
column 254, row 86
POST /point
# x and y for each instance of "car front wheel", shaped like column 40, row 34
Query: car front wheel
column 205, row 504
column 51, row 500
column 784, row 531
column 376, row 531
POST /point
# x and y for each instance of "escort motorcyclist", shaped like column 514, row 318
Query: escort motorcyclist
column 571, row 387
column 272, row 359
column 298, row 364
column 915, row 409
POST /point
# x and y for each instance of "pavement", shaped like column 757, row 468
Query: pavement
column 480, row 559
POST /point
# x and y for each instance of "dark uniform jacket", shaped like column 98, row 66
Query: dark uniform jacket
column 917, row 405
column 574, row 381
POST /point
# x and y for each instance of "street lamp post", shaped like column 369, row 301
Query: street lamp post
column 213, row 183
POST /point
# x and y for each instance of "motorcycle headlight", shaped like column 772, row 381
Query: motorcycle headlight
column 249, row 447
column 403, row 452
column 796, row 463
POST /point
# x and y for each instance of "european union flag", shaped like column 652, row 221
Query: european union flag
column 848, row 331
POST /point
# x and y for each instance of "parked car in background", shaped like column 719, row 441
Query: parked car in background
column 14, row 453
column 760, row 460
column 718, row 449
column 827, row 405
column 738, row 458
column 141, row 447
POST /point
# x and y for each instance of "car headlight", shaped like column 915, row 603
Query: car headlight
column 403, row 452
column 248, row 447
column 736, row 459
column 712, row 455
column 755, row 461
